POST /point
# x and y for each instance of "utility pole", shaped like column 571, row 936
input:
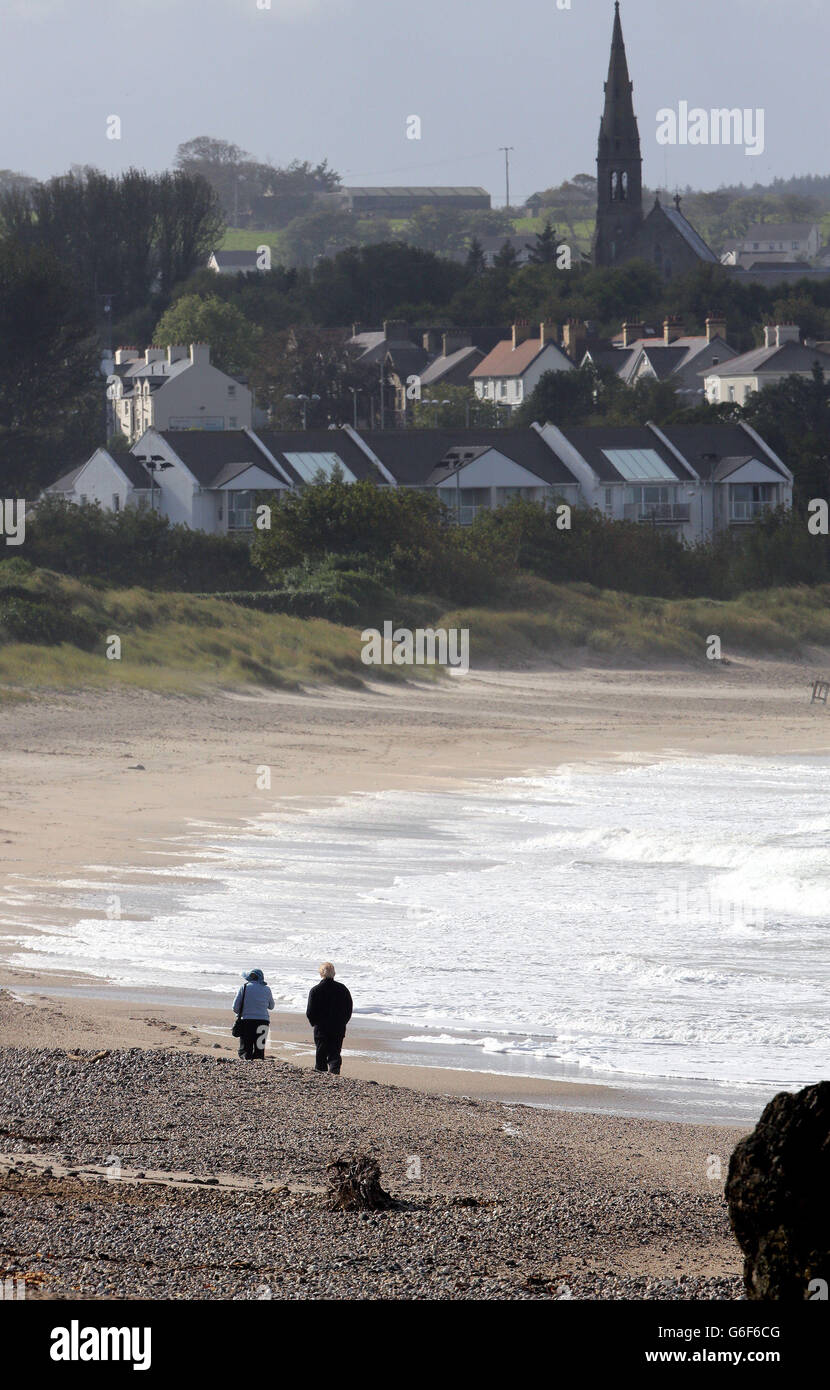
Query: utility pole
column 507, row 149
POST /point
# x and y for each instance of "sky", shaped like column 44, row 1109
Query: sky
column 338, row 79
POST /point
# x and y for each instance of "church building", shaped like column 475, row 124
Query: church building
column 664, row 237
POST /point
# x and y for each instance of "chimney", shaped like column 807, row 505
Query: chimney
column 574, row 336
column 715, row 327
column 126, row 354
column 632, row 332
column 787, row 333
column 672, row 329
column 770, row 335
column 153, row 354
column 454, row 339
column 396, row 330
column 521, row 331
column 549, row 333
column 200, row 353
column 356, row 328
column 432, row 341
column 178, row 353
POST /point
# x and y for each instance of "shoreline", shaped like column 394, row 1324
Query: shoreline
column 83, row 1017
column 97, row 806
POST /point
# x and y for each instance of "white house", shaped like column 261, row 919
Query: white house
column 677, row 357
column 114, row 483
column 175, row 388
column 472, row 470
column 691, row 480
column 782, row 355
column 511, row 372
column 778, row 241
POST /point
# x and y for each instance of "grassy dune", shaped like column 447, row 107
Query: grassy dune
column 180, row 643
column 176, row 642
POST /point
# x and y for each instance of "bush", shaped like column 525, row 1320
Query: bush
column 133, row 547
column 25, row 618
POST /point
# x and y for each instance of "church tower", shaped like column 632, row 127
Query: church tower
column 619, row 161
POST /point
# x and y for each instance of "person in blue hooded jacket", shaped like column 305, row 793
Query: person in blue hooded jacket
column 252, row 1005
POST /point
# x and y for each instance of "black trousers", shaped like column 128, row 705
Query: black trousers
column 328, row 1047
column 253, row 1038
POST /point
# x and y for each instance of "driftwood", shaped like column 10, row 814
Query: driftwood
column 354, row 1184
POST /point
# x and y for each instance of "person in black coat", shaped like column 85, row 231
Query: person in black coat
column 329, row 1010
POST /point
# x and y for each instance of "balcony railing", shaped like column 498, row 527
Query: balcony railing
column 750, row 511
column 465, row 515
column 658, row 511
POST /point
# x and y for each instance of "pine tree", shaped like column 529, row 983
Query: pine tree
column 544, row 251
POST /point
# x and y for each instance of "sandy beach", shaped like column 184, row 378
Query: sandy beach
column 95, row 779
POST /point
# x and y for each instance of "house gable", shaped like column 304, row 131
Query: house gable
column 492, row 469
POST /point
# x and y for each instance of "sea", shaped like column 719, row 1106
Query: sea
column 654, row 925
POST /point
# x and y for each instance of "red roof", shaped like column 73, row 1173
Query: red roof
column 505, row 360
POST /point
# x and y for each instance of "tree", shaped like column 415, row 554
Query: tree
column 794, row 417
column 234, row 342
column 437, row 229
column 476, row 261
column 463, row 408
column 51, row 401
column 132, row 237
column 543, row 251
column 507, row 258
column 562, row 398
column 309, row 361
column 316, row 233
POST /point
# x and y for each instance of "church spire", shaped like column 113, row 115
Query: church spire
column 618, row 130
column 619, row 159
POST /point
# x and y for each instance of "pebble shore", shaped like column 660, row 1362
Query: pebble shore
column 162, row 1174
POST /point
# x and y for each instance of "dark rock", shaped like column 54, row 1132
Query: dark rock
column 354, row 1184
column 777, row 1192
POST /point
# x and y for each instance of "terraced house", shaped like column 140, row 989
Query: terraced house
column 691, row 481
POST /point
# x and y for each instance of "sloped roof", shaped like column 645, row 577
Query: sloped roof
column 280, row 443
column 442, row 366
column 209, row 453
column 778, row 231
column 706, row 447
column 505, row 360
column 689, row 235
column 66, row 481
column 407, row 361
column 790, row 357
column 240, row 259
column 413, row 456
column 591, row 441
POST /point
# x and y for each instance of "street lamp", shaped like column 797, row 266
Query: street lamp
column 304, row 401
column 436, row 404
column 154, row 463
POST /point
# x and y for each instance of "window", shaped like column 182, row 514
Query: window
column 231, row 390
column 751, row 500
column 232, row 422
column 240, row 511
column 84, row 499
column 116, row 502
column 732, row 393
column 609, row 496
column 311, row 465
